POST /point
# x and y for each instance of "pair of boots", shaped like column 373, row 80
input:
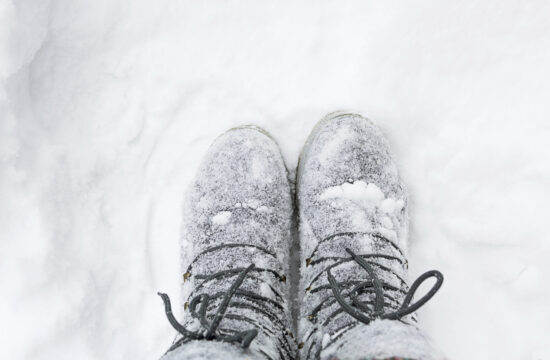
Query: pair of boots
column 353, row 227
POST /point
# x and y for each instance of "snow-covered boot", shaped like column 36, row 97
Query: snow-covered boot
column 235, row 246
column 353, row 231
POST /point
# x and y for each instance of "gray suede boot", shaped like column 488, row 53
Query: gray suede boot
column 235, row 248
column 353, row 231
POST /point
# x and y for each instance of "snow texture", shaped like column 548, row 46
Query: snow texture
column 383, row 338
column 340, row 192
column 107, row 107
column 221, row 218
column 242, row 166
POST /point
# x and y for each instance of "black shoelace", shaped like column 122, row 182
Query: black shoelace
column 362, row 312
column 234, row 297
column 244, row 338
column 385, row 304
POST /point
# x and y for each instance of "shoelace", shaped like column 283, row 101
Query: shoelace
column 244, row 338
column 234, row 297
column 358, row 309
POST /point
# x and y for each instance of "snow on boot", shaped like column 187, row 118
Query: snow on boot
column 353, row 231
column 236, row 238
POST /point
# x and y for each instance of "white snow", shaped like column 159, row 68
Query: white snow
column 221, row 218
column 362, row 194
column 252, row 203
column 326, row 340
column 107, row 106
column 363, row 198
column 391, row 206
column 263, row 209
column 266, row 292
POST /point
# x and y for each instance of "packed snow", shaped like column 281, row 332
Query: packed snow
column 364, row 199
column 364, row 195
column 107, row 106
column 221, row 218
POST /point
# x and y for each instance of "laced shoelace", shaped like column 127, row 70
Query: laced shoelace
column 201, row 304
column 361, row 310
column 210, row 327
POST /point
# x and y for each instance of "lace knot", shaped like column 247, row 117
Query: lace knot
column 362, row 312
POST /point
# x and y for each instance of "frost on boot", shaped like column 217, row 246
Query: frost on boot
column 236, row 237
column 353, row 230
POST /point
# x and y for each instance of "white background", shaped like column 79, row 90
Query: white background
column 106, row 108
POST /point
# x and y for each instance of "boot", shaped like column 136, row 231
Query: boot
column 353, row 230
column 235, row 246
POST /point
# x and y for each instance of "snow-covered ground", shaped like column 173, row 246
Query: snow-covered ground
column 106, row 108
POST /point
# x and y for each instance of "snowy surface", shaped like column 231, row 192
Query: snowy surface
column 106, row 108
